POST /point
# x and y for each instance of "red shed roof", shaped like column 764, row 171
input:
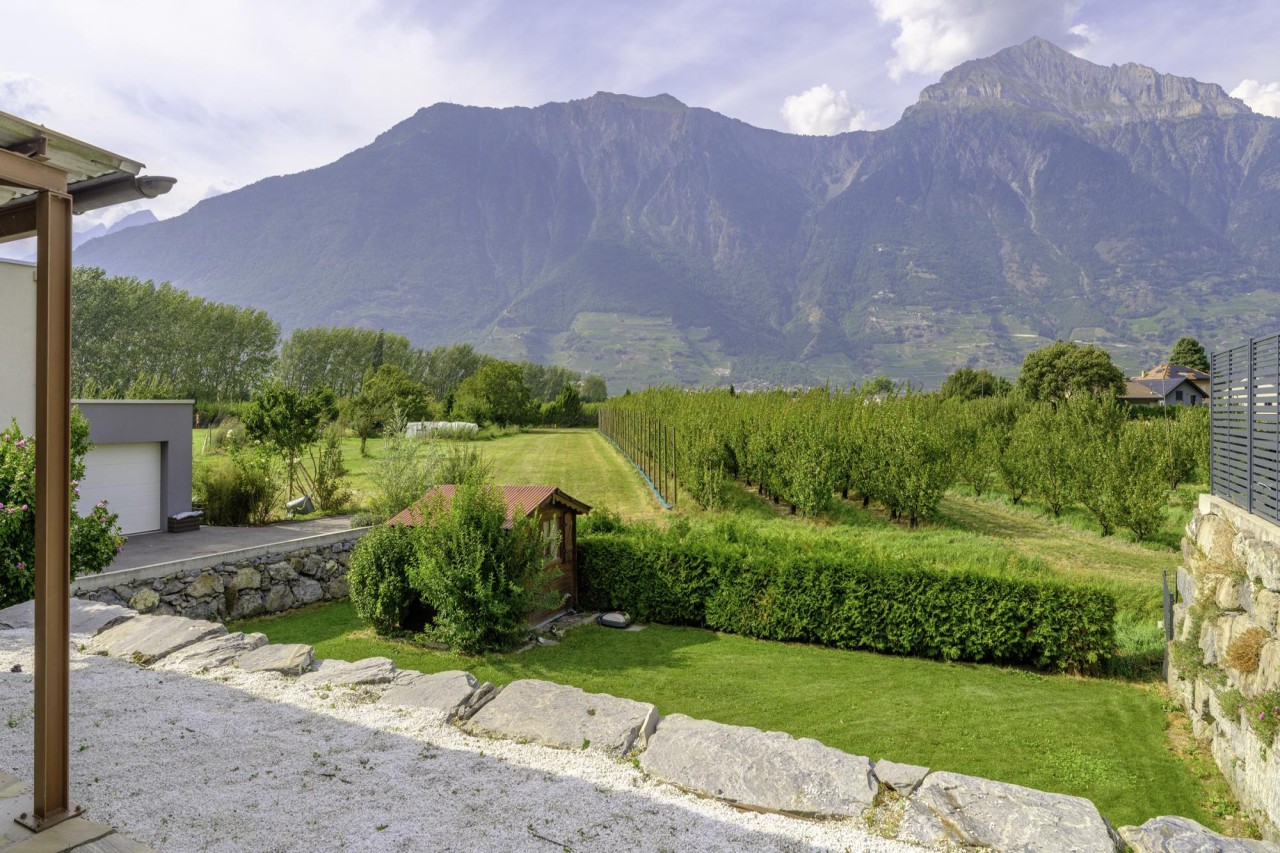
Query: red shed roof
column 528, row 498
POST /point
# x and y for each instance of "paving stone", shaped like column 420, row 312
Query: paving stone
column 1184, row 835
column 341, row 673
column 973, row 812
column 87, row 617
column 213, row 653
column 285, row 658
column 903, row 778
column 565, row 717
column 764, row 770
column 145, row 639
column 447, row 692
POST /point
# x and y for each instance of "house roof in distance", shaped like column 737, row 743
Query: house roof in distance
column 528, row 498
column 1173, row 371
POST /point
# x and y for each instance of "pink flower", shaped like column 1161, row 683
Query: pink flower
column 22, row 565
column 22, row 442
column 24, row 507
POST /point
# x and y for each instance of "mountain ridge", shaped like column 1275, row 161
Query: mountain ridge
column 998, row 213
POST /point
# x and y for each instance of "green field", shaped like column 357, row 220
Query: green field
column 1095, row 738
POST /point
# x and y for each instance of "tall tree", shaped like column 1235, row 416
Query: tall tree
column 495, row 393
column 1188, row 352
column 288, row 421
column 1056, row 372
column 969, row 384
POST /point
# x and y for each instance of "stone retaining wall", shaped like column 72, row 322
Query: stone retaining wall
column 1226, row 647
column 233, row 585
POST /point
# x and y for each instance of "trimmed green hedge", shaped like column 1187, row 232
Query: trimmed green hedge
column 782, row 591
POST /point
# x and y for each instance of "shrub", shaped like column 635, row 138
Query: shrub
column 1245, row 651
column 1263, row 713
column 481, row 578
column 464, row 463
column 329, row 484
column 729, row 580
column 404, row 471
column 240, row 488
column 1231, row 701
column 379, row 580
column 95, row 539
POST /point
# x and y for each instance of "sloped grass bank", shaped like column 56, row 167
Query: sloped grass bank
column 1100, row 739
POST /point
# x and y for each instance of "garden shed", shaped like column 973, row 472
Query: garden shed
column 558, row 515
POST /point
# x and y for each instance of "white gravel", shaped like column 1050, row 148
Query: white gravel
column 241, row 762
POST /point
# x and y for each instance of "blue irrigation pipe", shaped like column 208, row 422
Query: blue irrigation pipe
column 657, row 494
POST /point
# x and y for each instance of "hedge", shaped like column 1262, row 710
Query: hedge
column 824, row 597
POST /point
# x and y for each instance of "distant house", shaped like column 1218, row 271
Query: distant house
column 558, row 515
column 1168, row 385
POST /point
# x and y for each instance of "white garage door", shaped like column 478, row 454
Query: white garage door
column 127, row 476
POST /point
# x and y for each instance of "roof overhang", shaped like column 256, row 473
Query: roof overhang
column 34, row 158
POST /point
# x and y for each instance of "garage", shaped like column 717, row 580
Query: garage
column 128, row 477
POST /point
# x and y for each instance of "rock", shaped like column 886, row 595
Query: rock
column 338, row 588
column 1227, row 592
column 145, row 639
column 279, row 598
column 1184, row 835
column 1216, row 538
column 340, row 673
column 248, row 603
column 1264, row 565
column 282, row 571
column 565, row 717
column 144, row 600
column 209, row 583
column 313, row 565
column 209, row 608
column 307, row 591
column 763, row 770
column 212, row 653
column 972, row 812
column 1266, row 609
column 1193, row 526
column 447, row 692
column 903, row 778
column 1268, row 675
column 245, row 578
column 87, row 617
column 285, row 658
column 1186, row 585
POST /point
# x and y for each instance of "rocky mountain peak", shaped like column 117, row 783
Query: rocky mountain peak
column 1042, row 76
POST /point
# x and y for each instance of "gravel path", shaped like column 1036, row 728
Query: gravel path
column 241, row 762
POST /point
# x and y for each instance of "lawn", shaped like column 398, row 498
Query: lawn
column 1101, row 739
column 579, row 461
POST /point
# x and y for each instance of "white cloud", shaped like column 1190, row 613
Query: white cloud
column 936, row 35
column 20, row 94
column 1261, row 97
column 822, row 111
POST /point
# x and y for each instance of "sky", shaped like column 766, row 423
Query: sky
column 220, row 95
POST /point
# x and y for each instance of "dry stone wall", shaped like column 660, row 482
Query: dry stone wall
column 1224, row 663
column 231, row 586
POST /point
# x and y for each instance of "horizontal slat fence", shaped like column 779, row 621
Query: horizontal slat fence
column 1244, row 455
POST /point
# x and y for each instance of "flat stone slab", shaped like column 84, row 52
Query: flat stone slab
column 973, row 812
column 903, row 778
column 213, row 653
column 284, row 658
column 87, row 617
column 341, row 673
column 1184, row 835
column 447, row 692
column 566, row 717
column 764, row 770
column 146, row 639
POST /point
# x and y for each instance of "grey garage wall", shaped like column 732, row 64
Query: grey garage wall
column 165, row 421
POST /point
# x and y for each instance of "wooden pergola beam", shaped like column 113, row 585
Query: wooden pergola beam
column 19, row 171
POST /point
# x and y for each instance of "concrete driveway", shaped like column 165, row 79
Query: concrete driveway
column 148, row 549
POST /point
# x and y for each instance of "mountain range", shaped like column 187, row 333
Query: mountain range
column 1026, row 197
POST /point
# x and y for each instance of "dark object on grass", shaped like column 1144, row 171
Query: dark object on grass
column 300, row 506
column 616, row 619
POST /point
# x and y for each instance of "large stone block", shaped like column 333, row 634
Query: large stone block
column 903, row 778
column 1265, row 609
column 1186, row 585
column 1268, row 675
column 279, row 598
column 307, row 591
column 1227, row 591
column 1184, row 835
column 341, row 673
column 248, row 602
column 565, row 717
column 245, row 578
column 766, row 770
column 286, row 658
column 1216, row 539
column 1263, row 564
column 446, row 692
column 209, row 583
column 145, row 639
column 213, row 653
column 87, row 617
column 972, row 812
column 144, row 600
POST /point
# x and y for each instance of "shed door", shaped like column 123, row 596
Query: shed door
column 127, row 476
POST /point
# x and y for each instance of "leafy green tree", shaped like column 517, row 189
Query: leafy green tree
column 594, row 389
column 389, row 386
column 969, row 384
column 1056, row 372
column 448, row 367
column 343, row 357
column 495, row 393
column 481, row 577
column 379, row 579
column 288, row 422
column 975, row 441
column 1094, row 425
column 1188, row 352
column 1041, row 442
column 566, row 410
column 1138, row 481
column 403, row 471
column 95, row 538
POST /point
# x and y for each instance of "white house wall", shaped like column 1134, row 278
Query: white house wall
column 18, row 378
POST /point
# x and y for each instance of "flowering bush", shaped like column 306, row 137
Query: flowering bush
column 1263, row 715
column 95, row 539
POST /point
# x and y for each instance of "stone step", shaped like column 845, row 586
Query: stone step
column 212, row 653
column 284, row 658
column 447, row 692
column 146, row 639
column 565, row 717
column 341, row 673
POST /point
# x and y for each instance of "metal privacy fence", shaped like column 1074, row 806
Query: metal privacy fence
column 1244, row 450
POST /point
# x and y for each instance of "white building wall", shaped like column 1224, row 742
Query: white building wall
column 18, row 344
